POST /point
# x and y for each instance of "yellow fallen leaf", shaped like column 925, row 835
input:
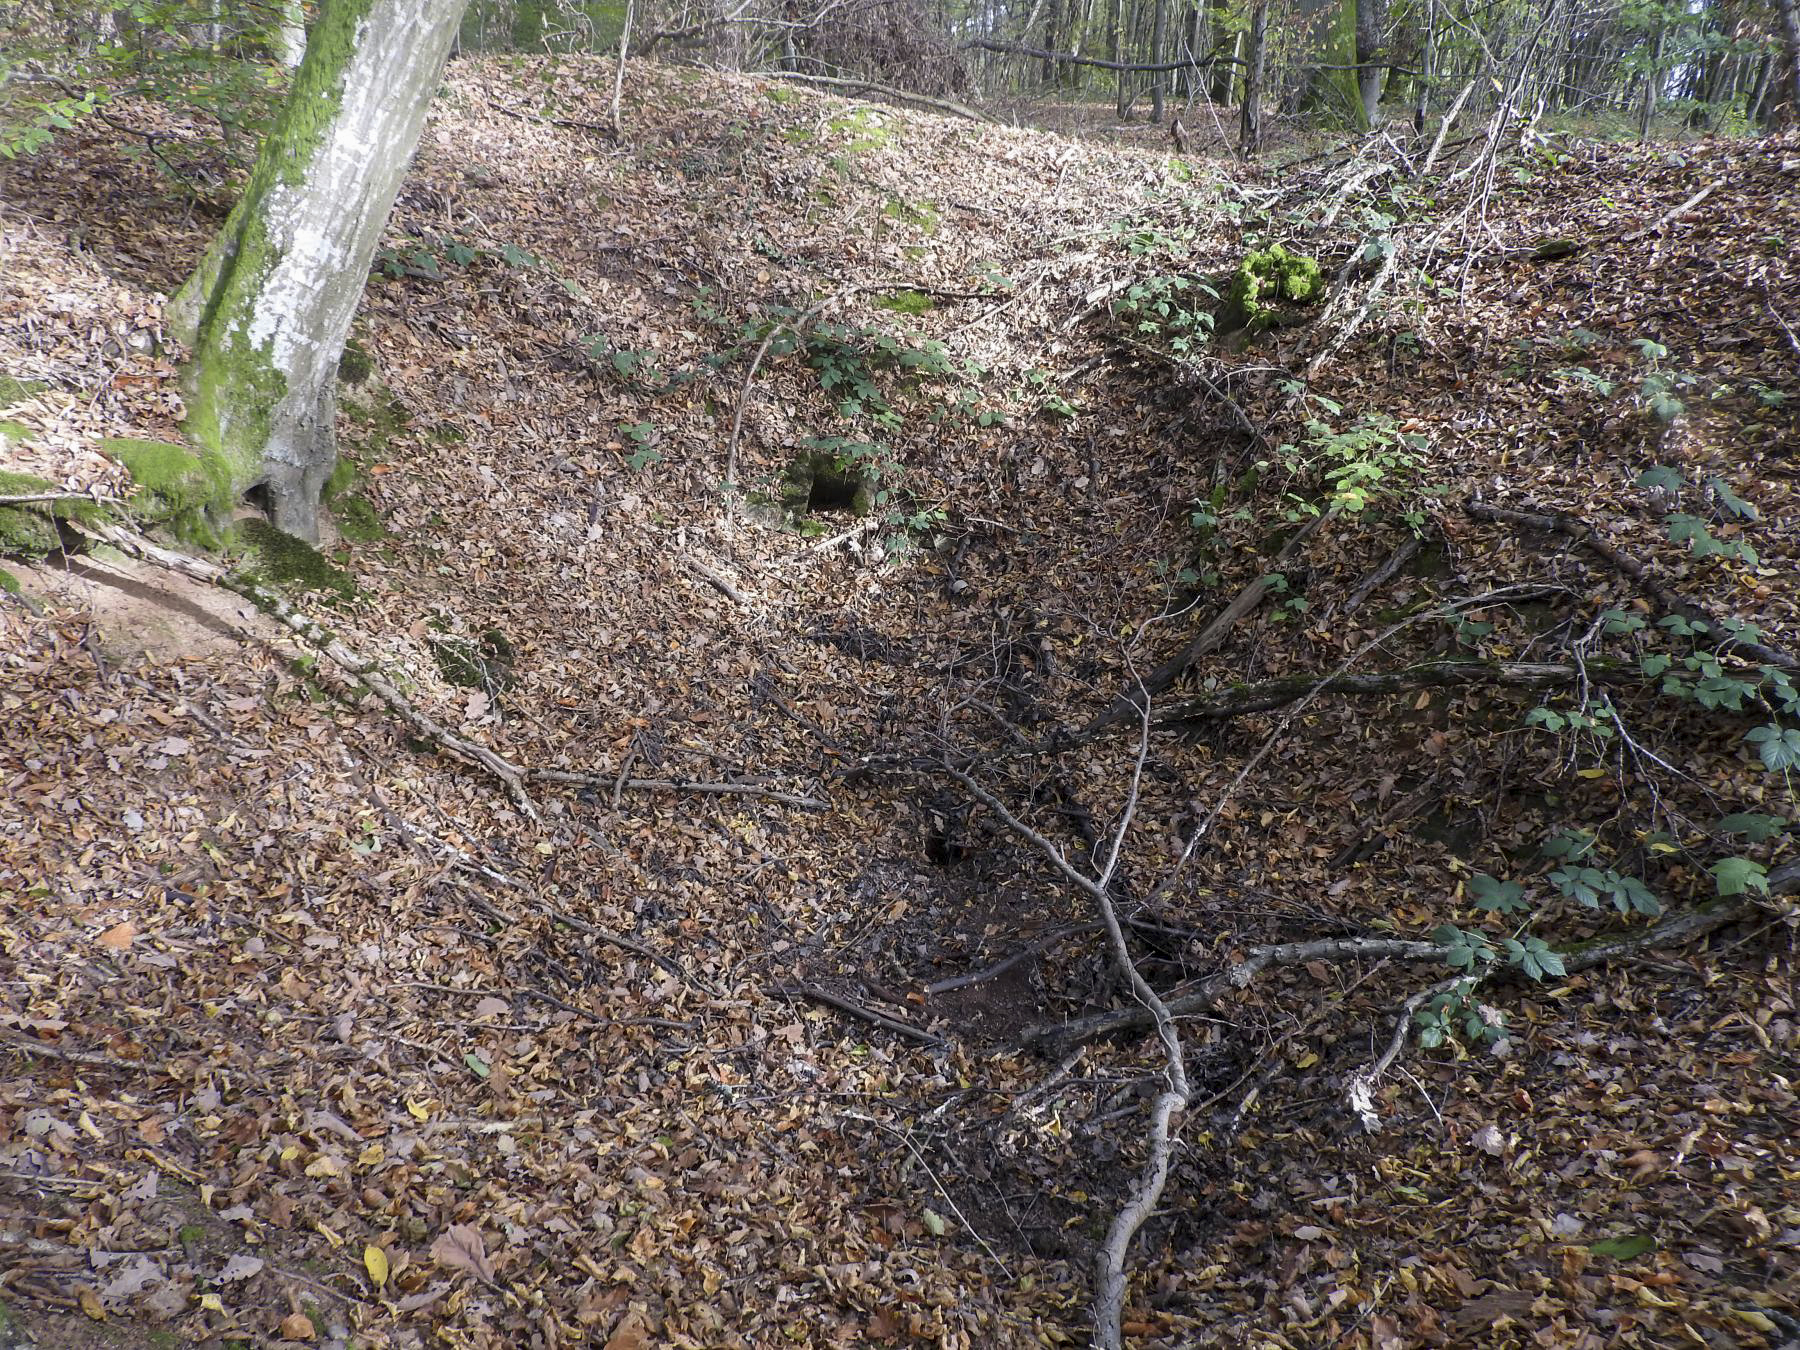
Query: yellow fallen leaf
column 418, row 1110
column 90, row 1304
column 376, row 1263
column 324, row 1166
column 372, row 1156
column 211, row 1303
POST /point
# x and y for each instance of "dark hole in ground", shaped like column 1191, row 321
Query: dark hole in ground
column 833, row 492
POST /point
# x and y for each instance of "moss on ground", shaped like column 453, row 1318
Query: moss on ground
column 8, row 582
column 357, row 519
column 14, row 390
column 355, row 365
column 281, row 560
column 13, row 433
column 185, row 493
column 1264, row 279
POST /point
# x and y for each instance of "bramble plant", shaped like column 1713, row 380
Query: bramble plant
column 1369, row 463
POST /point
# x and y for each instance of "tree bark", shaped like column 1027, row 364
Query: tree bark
column 1159, row 36
column 266, row 314
column 1652, row 82
column 1787, row 107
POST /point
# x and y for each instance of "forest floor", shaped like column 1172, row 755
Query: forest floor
column 309, row 1033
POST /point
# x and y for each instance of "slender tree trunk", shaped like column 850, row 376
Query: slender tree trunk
column 1652, row 80
column 1371, row 23
column 293, row 34
column 1159, row 40
column 1250, row 123
column 1422, row 83
column 265, row 315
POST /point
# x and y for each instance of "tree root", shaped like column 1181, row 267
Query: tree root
column 327, row 644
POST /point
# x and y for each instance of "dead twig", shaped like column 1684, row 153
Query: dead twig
column 576, row 779
column 327, row 644
column 858, row 1011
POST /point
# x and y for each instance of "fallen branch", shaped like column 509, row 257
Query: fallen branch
column 858, row 1011
column 1407, row 550
column 34, row 498
column 1099, row 63
column 1685, row 927
column 1640, row 572
column 1110, row 1279
column 718, row 581
column 577, row 779
column 1278, row 693
column 1058, row 1037
column 1209, row 638
column 950, row 106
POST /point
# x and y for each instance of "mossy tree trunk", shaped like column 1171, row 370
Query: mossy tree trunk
column 265, row 315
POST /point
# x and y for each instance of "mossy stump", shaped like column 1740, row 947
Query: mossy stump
column 1265, row 283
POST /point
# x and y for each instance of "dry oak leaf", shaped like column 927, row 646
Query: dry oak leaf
column 297, row 1327
column 630, row 1334
column 118, row 937
column 459, row 1247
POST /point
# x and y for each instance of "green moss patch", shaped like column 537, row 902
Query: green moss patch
column 13, row 433
column 14, row 390
column 357, row 519
column 282, row 560
column 29, row 531
column 355, row 366
column 187, row 494
column 905, row 302
column 8, row 582
column 1265, row 280
column 824, row 480
column 26, row 534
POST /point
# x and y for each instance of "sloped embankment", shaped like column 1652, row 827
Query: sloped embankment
column 296, row 990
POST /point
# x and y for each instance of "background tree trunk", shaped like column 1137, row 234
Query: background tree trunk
column 1787, row 107
column 1371, row 25
column 1159, row 41
column 266, row 313
column 1652, row 82
column 1250, row 125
